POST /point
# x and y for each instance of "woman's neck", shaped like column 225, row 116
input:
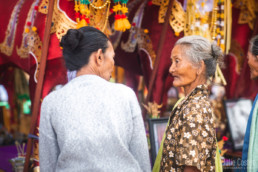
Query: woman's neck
column 190, row 87
column 87, row 70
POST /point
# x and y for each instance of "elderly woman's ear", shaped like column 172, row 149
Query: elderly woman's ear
column 98, row 56
column 202, row 69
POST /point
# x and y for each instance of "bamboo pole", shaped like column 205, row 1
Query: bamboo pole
column 38, row 91
column 159, row 52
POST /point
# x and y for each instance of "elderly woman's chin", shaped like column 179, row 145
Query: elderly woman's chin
column 177, row 82
column 254, row 74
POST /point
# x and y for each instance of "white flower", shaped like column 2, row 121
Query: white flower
column 193, row 142
column 195, row 159
column 192, row 125
column 192, row 153
column 171, row 154
column 204, row 133
column 172, row 170
column 195, row 132
column 189, row 118
column 207, row 127
column 207, row 151
column 204, row 110
column 169, row 136
column 184, row 156
column 199, row 118
column 172, row 130
column 187, row 135
column 203, row 145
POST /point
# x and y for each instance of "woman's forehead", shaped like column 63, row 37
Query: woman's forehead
column 178, row 50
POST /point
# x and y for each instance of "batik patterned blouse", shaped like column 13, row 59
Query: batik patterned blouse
column 190, row 137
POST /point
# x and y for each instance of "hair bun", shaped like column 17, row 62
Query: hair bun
column 217, row 54
column 72, row 39
column 213, row 49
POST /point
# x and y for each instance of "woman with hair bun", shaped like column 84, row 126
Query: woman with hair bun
column 189, row 144
column 91, row 124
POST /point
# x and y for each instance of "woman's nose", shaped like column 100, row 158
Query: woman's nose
column 171, row 69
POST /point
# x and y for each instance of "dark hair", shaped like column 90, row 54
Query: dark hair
column 254, row 45
column 79, row 44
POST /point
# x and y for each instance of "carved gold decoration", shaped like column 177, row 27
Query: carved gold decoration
column 145, row 43
column 43, row 7
column 25, row 47
column 6, row 47
column 35, row 45
column 153, row 109
column 99, row 17
column 177, row 17
column 61, row 22
column 247, row 14
column 197, row 22
column 163, row 9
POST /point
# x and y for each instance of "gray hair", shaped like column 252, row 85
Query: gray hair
column 198, row 48
column 253, row 48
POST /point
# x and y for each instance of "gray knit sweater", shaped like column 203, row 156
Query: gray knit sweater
column 92, row 125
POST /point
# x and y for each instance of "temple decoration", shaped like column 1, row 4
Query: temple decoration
column 238, row 53
column 153, row 109
column 115, row 36
column 208, row 18
column 31, row 42
column 121, row 21
column 29, row 34
column 6, row 47
column 221, row 143
column 61, row 22
column 247, row 14
column 87, row 13
column 162, row 10
column 177, row 18
column 139, row 36
column 93, row 13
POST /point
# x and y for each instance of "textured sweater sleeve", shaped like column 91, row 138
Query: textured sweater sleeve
column 138, row 144
column 48, row 146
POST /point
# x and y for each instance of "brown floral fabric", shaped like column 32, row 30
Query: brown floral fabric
column 190, row 137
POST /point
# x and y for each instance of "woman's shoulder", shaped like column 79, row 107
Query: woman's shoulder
column 51, row 97
column 121, row 88
column 197, row 106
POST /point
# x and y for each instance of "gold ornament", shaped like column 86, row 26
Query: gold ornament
column 6, row 47
column 153, row 109
column 177, row 18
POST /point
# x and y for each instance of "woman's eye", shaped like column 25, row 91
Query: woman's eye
column 177, row 61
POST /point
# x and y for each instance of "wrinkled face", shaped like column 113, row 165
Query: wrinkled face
column 253, row 64
column 181, row 69
column 109, row 62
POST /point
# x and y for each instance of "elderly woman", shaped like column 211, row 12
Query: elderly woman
column 91, row 124
column 250, row 149
column 190, row 140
